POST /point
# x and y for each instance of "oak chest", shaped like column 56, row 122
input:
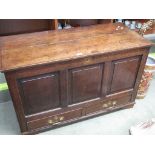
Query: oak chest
column 60, row 77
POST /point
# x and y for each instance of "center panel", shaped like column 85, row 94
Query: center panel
column 85, row 83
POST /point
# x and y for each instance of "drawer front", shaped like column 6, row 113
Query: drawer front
column 54, row 119
column 108, row 104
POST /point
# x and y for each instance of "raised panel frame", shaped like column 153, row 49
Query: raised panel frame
column 124, row 82
column 44, row 96
column 76, row 90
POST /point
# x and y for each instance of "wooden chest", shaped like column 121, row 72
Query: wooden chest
column 60, row 77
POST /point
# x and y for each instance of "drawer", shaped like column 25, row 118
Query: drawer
column 54, row 119
column 107, row 104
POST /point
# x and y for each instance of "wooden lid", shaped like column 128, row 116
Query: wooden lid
column 25, row 50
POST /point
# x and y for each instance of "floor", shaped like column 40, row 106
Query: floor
column 116, row 123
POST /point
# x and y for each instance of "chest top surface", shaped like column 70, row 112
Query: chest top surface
column 26, row 50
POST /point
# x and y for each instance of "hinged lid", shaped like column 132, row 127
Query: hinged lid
column 25, row 50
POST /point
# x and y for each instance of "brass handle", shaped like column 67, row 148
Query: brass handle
column 114, row 103
column 56, row 119
column 61, row 118
column 109, row 104
column 105, row 105
column 50, row 121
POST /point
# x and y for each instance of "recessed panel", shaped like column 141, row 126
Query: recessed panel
column 40, row 93
column 124, row 74
column 85, row 83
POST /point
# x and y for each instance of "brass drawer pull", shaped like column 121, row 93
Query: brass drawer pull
column 61, row 118
column 109, row 104
column 50, row 121
column 56, row 119
column 105, row 105
column 114, row 103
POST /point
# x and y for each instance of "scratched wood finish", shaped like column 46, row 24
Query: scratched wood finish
column 20, row 51
column 60, row 77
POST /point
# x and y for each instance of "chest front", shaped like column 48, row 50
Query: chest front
column 48, row 96
column 60, row 77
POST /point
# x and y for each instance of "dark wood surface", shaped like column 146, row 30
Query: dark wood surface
column 34, row 100
column 37, row 107
column 45, row 47
column 83, row 22
column 124, row 73
column 83, row 84
column 18, row 26
column 68, row 87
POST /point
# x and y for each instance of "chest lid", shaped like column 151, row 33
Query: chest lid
column 27, row 50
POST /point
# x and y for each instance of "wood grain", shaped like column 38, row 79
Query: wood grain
column 60, row 77
column 47, row 47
